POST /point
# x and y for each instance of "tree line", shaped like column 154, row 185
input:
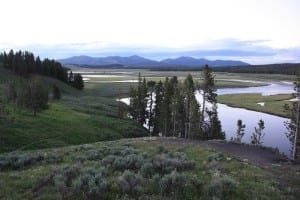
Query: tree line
column 285, row 68
column 170, row 108
column 24, row 63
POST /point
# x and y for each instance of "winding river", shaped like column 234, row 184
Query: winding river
column 275, row 129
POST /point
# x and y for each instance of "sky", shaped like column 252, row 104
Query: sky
column 255, row 31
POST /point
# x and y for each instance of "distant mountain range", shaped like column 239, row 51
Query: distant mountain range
column 138, row 61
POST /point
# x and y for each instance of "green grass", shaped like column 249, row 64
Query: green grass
column 133, row 74
column 79, row 117
column 247, row 181
column 274, row 104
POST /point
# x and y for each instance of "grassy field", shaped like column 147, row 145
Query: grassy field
column 273, row 104
column 129, row 74
column 79, row 117
column 139, row 169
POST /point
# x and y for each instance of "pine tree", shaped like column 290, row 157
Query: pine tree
column 166, row 109
column 56, row 94
column 177, row 111
column 151, row 88
column 133, row 101
column 213, row 127
column 189, row 95
column 144, row 102
column 194, row 120
column 78, row 81
column 38, row 96
column 293, row 126
column 158, row 107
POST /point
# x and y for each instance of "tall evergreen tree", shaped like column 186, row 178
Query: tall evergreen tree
column 151, row 90
column 293, row 126
column 213, row 127
column 189, row 95
column 133, row 102
column 78, row 81
column 56, row 94
column 158, row 107
column 166, row 109
column 177, row 110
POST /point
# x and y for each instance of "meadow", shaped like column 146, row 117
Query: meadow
column 273, row 104
column 79, row 117
column 141, row 169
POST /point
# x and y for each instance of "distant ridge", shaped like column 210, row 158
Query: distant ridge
column 138, row 61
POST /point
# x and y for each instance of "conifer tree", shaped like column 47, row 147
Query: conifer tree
column 158, row 107
column 56, row 94
column 189, row 95
column 293, row 126
column 151, row 90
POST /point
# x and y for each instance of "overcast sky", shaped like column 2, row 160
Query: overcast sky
column 256, row 31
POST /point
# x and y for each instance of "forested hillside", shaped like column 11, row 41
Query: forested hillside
column 40, row 110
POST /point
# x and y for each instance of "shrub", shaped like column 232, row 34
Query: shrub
column 94, row 155
column 154, row 184
column 19, row 161
column 221, row 188
column 216, row 156
column 161, row 149
column 165, row 164
column 123, row 151
column 53, row 157
column 172, row 184
column 147, row 170
column 130, row 182
column 108, row 160
column 130, row 162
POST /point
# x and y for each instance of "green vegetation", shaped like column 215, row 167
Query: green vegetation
column 176, row 111
column 293, row 126
column 139, row 169
column 273, row 104
column 79, row 117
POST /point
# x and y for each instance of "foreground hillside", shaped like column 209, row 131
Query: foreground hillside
column 142, row 169
column 79, row 117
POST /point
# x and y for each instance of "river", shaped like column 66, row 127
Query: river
column 275, row 129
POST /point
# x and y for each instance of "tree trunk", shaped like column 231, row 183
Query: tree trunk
column 203, row 108
column 294, row 154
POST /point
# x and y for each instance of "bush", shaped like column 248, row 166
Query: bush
column 53, row 158
column 161, row 149
column 123, row 151
column 221, row 188
column 154, row 184
column 130, row 182
column 147, row 170
column 19, row 161
column 108, row 160
column 130, row 162
column 172, row 184
column 165, row 164
column 216, row 157
column 94, row 155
